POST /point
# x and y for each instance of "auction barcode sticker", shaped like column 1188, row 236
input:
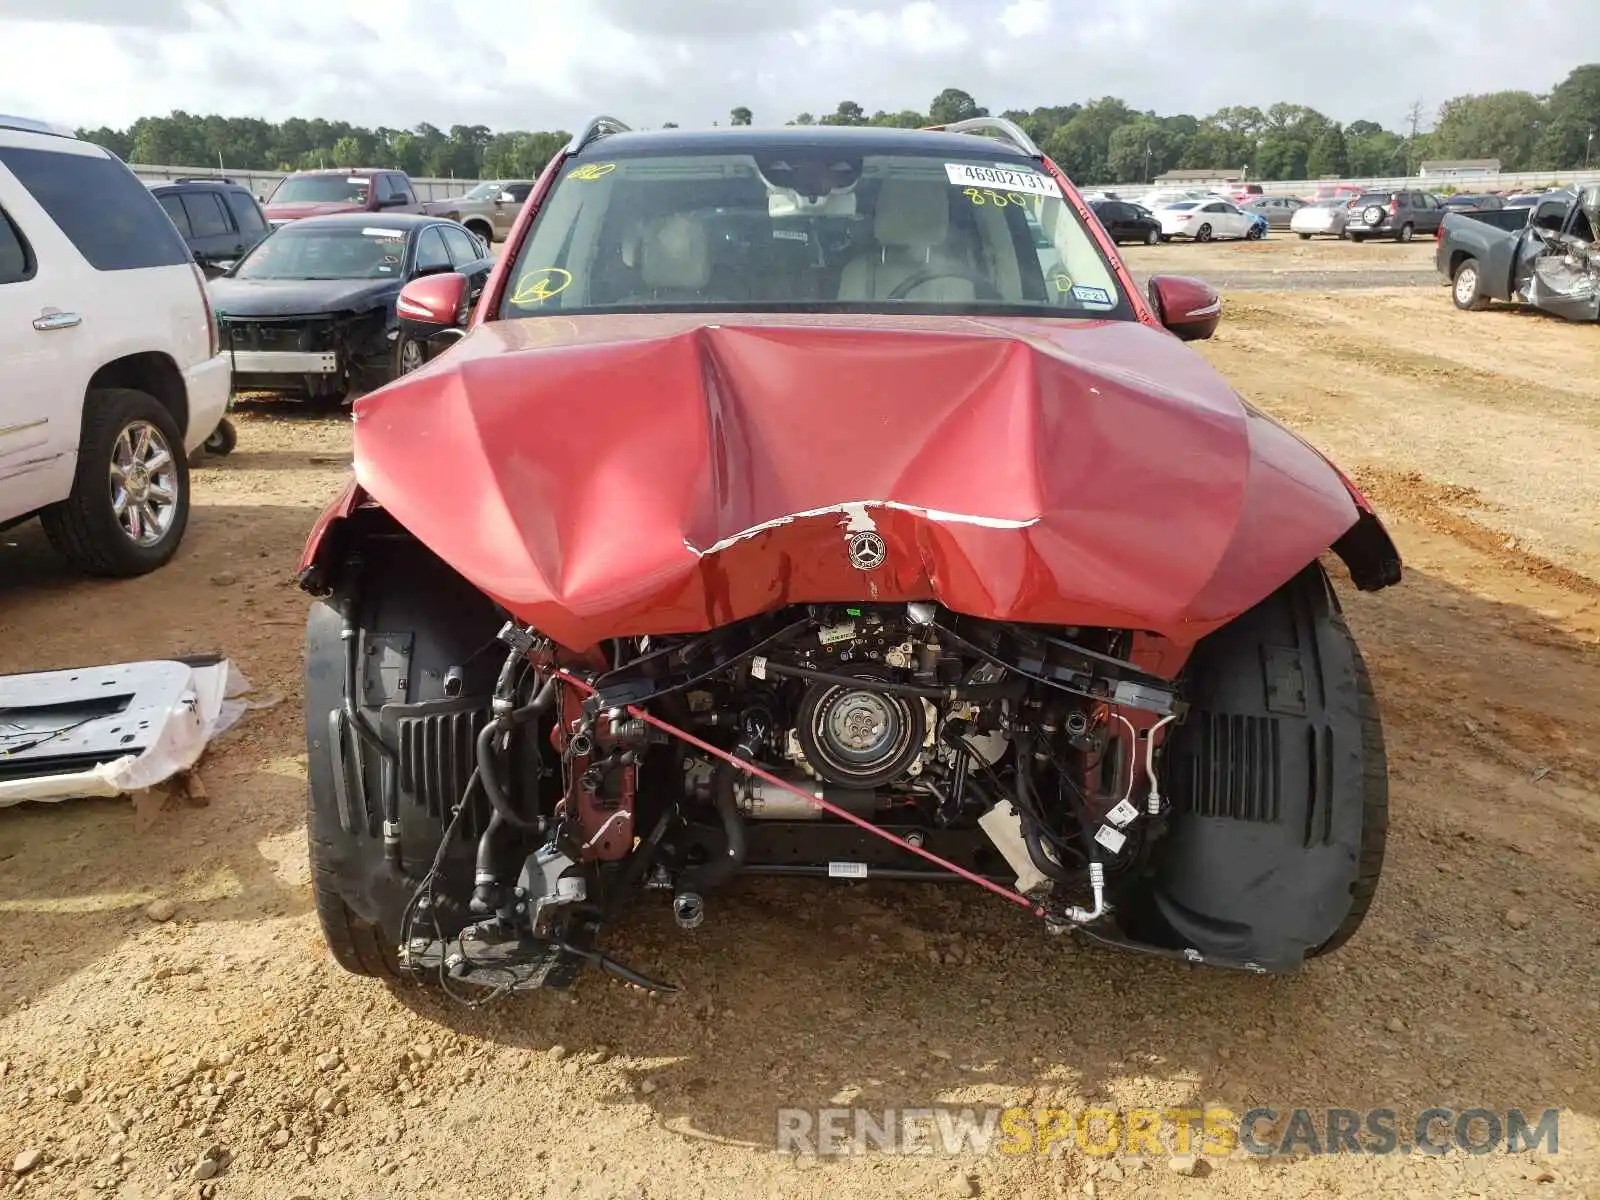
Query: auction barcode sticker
column 847, row 870
column 1002, row 178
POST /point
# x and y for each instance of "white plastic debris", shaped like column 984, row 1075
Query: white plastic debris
column 108, row 731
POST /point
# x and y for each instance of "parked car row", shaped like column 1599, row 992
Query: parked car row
column 130, row 313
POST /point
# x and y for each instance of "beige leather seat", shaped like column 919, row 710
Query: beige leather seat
column 674, row 260
column 911, row 225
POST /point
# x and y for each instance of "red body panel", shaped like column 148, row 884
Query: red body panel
column 616, row 475
column 299, row 209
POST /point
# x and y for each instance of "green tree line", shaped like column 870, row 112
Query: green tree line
column 1098, row 141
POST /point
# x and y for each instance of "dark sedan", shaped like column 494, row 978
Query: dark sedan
column 1127, row 222
column 310, row 311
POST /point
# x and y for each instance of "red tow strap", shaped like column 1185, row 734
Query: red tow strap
column 1004, row 893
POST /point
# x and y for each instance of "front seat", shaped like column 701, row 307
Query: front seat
column 674, row 262
column 911, row 225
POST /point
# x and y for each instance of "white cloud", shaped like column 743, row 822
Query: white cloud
column 551, row 64
column 1026, row 17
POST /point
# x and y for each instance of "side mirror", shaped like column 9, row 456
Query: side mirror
column 505, row 198
column 1189, row 307
column 428, row 306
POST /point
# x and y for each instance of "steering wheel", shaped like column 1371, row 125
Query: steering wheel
column 983, row 287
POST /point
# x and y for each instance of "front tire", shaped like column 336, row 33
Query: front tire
column 223, row 438
column 129, row 505
column 1279, row 785
column 409, row 355
column 1203, row 234
column 1305, row 237
column 1152, row 236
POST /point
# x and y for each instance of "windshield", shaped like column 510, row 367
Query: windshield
column 352, row 252
column 810, row 229
column 321, row 189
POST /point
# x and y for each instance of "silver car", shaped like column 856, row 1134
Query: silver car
column 1278, row 210
column 1326, row 217
column 490, row 209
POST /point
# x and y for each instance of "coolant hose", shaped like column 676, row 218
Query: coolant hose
column 719, row 871
column 1023, row 742
column 488, row 769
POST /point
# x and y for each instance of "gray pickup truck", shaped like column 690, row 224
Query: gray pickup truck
column 1546, row 254
column 491, row 208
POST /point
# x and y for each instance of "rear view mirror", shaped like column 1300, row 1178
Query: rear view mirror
column 432, row 304
column 1189, row 307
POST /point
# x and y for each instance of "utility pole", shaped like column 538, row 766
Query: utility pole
column 1414, row 115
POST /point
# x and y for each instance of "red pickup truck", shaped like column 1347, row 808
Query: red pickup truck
column 317, row 193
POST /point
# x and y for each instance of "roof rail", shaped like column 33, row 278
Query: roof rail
column 30, row 125
column 202, row 179
column 597, row 128
column 1008, row 130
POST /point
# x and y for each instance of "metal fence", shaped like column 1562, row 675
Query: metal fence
column 261, row 183
column 1507, row 181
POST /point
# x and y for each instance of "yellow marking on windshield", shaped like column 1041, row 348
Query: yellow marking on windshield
column 1062, row 283
column 984, row 196
column 592, row 171
column 535, row 287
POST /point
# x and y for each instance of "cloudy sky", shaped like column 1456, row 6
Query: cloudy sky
column 541, row 64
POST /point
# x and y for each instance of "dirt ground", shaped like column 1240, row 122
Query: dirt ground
column 132, row 1048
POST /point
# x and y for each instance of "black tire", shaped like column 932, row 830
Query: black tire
column 482, row 229
column 1279, row 784
column 1203, row 234
column 1466, row 287
column 1357, row 237
column 1406, row 232
column 1255, row 233
column 1152, row 236
column 1375, row 804
column 1305, row 237
column 357, row 945
column 223, row 438
column 84, row 528
column 337, row 856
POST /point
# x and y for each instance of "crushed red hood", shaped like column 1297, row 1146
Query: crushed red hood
column 609, row 476
column 295, row 211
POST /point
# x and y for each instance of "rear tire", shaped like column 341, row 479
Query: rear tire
column 85, row 528
column 1305, row 237
column 1406, row 233
column 482, row 230
column 1203, row 234
column 1466, row 287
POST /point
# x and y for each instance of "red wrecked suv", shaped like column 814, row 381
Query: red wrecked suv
column 788, row 504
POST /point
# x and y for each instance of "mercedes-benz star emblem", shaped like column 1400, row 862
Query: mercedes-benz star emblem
column 867, row 551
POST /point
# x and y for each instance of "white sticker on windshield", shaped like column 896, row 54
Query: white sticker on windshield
column 357, row 180
column 390, row 233
column 1090, row 295
column 1004, row 179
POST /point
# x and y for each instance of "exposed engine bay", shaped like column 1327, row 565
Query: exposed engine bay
column 841, row 741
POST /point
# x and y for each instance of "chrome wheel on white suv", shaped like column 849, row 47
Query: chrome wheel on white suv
column 144, row 483
column 130, row 497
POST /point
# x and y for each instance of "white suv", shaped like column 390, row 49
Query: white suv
column 110, row 374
